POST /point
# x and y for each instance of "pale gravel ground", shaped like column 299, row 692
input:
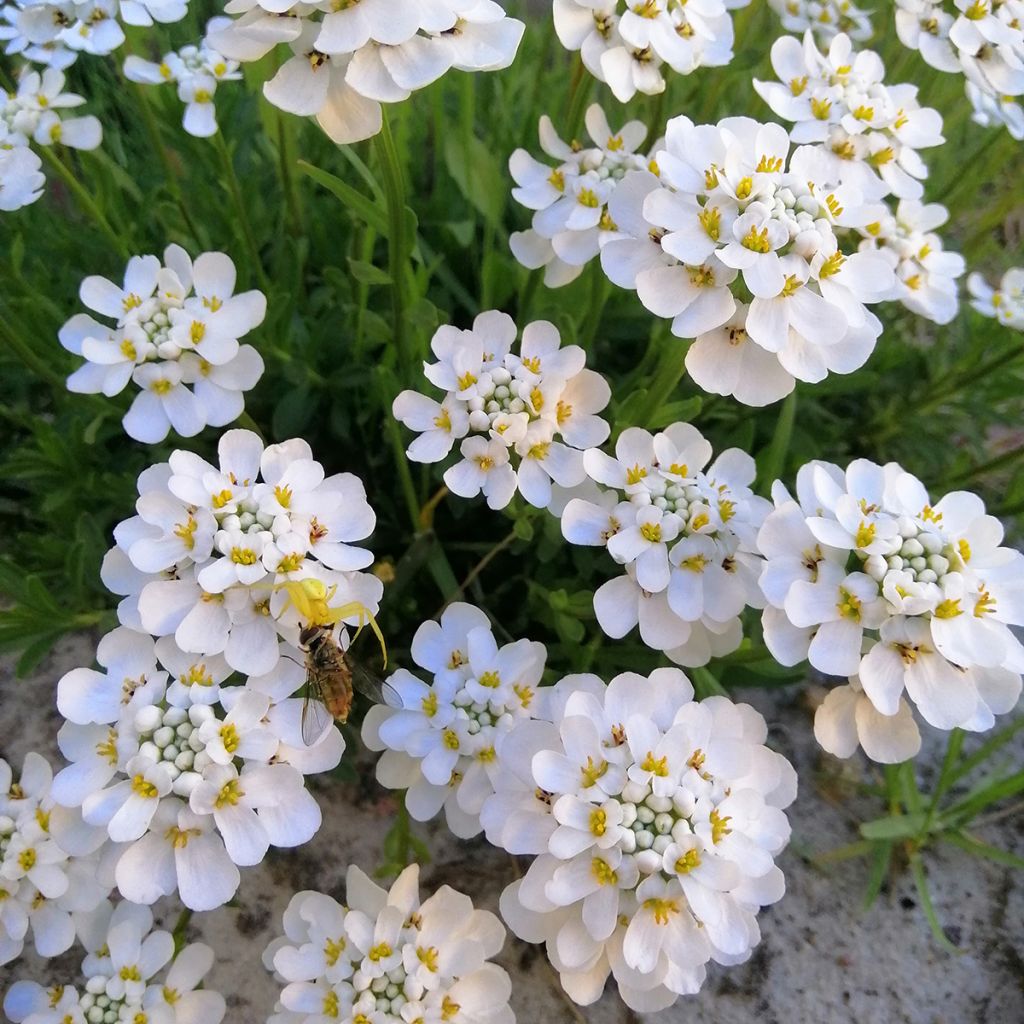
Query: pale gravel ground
column 822, row 960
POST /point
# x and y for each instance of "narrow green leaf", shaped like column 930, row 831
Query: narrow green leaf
column 896, row 826
column 921, row 882
column 357, row 203
column 980, row 849
column 987, row 749
column 881, row 858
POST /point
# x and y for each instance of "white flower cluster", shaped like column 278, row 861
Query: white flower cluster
column 866, row 578
column 124, row 978
column 442, row 743
column 349, row 58
column 53, row 867
column 176, row 337
column 571, row 221
column 983, row 39
column 386, row 957
column 991, row 109
column 199, row 778
column 197, row 71
column 1005, row 303
column 229, row 559
column 54, row 32
column 825, row 18
column 21, row 180
column 654, row 821
column 925, row 274
column 627, row 45
column 872, row 132
column 527, row 414
column 32, row 114
column 731, row 216
column 839, row 99
column 685, row 533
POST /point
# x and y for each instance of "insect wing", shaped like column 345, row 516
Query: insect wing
column 316, row 719
column 370, row 685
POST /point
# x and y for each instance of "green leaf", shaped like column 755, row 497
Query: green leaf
column 771, row 462
column 897, row 826
column 523, row 528
column 980, row 849
column 478, row 175
column 353, row 200
column 921, row 882
column 293, row 413
column 367, row 273
column 880, row 859
column 685, row 410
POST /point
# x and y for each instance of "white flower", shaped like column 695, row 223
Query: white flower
column 992, row 109
column 21, row 181
column 178, row 324
column 442, row 740
column 984, row 41
column 571, row 220
column 925, row 275
column 685, row 533
column 1005, row 303
column 227, row 559
column 926, row 619
column 197, row 71
column 345, row 63
column 386, row 956
column 86, row 696
column 52, row 865
column 653, row 820
column 131, row 973
column 847, row 719
column 871, row 131
column 825, row 17
column 627, row 45
column 731, row 204
column 204, row 775
column 54, row 31
column 34, row 112
column 523, row 416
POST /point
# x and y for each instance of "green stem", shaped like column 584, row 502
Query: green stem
column 30, row 358
column 948, row 386
column 945, row 780
column 85, row 201
column 578, row 102
column 526, row 294
column 984, row 468
column 600, row 290
column 706, row 684
column 170, row 172
column 241, row 210
column 394, row 192
column 774, row 463
column 180, row 928
column 412, row 502
column 286, row 161
column 246, row 422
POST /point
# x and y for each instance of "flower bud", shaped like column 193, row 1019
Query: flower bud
column 175, row 716
column 185, row 783
column 647, row 860
column 147, row 719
